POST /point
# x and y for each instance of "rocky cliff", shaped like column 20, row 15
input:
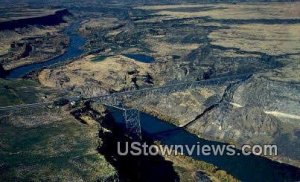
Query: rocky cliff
column 50, row 20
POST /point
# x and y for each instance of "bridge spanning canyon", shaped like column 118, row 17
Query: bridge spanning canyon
column 117, row 100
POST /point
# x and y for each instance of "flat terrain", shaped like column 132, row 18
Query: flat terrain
column 270, row 39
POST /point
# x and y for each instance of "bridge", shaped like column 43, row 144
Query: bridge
column 132, row 115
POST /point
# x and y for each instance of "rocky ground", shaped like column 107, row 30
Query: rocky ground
column 34, row 42
column 261, row 109
column 195, row 42
column 77, row 143
column 115, row 73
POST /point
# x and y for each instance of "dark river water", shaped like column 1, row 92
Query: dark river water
column 246, row 168
column 74, row 50
column 141, row 57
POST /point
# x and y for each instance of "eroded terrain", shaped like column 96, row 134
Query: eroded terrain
column 25, row 43
column 131, row 47
column 194, row 42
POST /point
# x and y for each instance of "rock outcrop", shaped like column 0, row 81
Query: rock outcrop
column 50, row 20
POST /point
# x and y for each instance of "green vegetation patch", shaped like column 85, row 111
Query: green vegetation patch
column 60, row 151
column 17, row 92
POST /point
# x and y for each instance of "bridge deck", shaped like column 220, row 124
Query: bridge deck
column 116, row 98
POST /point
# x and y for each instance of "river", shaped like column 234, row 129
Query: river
column 74, row 50
column 245, row 168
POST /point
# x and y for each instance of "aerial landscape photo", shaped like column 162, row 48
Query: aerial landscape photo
column 149, row 90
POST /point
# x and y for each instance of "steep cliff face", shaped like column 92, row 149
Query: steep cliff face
column 50, row 20
column 259, row 110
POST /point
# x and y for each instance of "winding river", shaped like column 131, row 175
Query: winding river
column 74, row 50
column 245, row 168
